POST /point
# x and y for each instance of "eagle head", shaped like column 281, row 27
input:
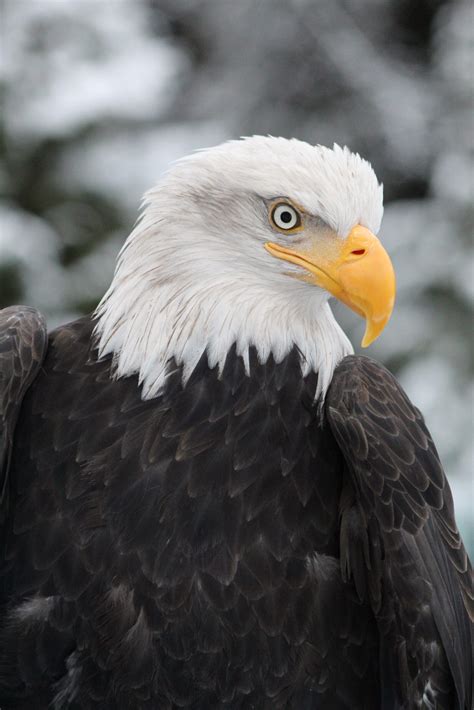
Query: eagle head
column 243, row 244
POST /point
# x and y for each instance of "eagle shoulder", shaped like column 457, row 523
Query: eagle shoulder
column 399, row 540
column 23, row 343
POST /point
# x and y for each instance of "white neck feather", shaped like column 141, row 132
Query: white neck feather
column 151, row 316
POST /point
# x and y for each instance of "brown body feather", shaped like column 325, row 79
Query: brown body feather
column 227, row 544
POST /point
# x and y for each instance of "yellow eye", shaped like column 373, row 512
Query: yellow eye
column 284, row 216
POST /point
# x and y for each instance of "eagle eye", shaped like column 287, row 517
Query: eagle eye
column 285, row 217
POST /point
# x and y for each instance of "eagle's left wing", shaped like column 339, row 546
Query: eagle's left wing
column 399, row 540
column 23, row 343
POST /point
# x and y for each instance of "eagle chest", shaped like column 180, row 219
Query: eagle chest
column 236, row 478
column 194, row 519
column 239, row 486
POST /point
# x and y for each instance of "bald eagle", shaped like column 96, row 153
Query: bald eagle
column 207, row 501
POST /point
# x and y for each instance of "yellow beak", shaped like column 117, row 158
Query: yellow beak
column 356, row 270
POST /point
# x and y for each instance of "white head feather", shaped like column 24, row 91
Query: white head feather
column 193, row 276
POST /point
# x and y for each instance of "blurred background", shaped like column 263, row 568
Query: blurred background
column 100, row 95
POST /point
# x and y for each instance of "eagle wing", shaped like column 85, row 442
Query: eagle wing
column 399, row 542
column 23, row 342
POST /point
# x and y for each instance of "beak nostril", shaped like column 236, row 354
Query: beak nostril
column 358, row 252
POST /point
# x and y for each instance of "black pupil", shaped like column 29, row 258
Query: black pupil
column 286, row 217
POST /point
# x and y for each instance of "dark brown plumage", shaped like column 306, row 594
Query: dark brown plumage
column 228, row 544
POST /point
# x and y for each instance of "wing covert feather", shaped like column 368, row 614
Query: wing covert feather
column 399, row 539
column 23, row 342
